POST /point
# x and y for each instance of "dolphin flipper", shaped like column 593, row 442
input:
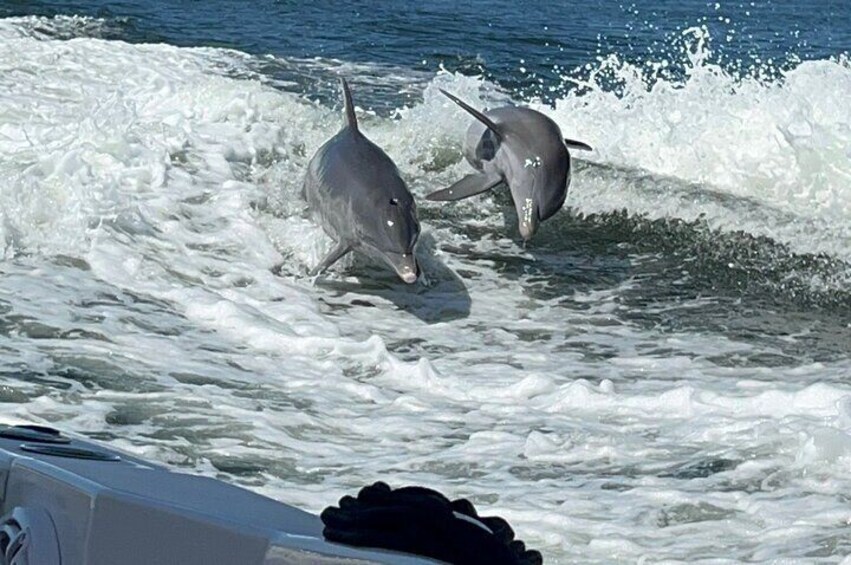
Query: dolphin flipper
column 333, row 256
column 577, row 145
column 472, row 184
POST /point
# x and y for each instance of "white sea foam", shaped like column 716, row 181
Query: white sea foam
column 146, row 200
column 783, row 143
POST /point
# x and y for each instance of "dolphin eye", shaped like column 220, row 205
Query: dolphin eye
column 394, row 201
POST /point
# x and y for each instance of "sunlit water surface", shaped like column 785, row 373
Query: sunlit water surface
column 662, row 374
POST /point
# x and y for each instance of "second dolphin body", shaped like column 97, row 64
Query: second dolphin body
column 522, row 148
column 355, row 190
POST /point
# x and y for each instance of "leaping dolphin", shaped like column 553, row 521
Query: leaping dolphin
column 355, row 190
column 522, row 148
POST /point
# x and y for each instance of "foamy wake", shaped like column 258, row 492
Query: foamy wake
column 99, row 127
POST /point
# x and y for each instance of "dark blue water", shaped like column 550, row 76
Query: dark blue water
column 522, row 46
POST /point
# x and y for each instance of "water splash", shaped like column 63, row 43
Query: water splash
column 777, row 137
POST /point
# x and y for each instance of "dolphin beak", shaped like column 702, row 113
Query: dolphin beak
column 527, row 215
column 527, row 230
column 405, row 265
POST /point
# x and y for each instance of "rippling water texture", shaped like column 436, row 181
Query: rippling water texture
column 662, row 374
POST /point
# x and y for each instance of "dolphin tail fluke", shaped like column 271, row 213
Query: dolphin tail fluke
column 351, row 119
column 475, row 113
column 471, row 185
column 573, row 144
column 333, row 256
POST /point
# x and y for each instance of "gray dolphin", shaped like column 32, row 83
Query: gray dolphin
column 355, row 190
column 522, row 148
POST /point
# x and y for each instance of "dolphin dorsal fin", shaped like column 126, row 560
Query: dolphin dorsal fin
column 476, row 114
column 351, row 119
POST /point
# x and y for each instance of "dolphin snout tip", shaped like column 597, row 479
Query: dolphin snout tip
column 407, row 268
column 409, row 278
column 527, row 231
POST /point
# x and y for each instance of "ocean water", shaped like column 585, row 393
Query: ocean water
column 662, row 375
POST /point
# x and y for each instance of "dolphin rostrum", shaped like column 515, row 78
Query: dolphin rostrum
column 522, row 148
column 355, row 190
